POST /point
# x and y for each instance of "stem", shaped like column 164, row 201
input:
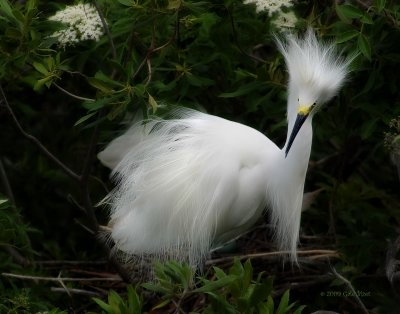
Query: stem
column 105, row 26
column 235, row 37
column 314, row 254
column 6, row 183
column 349, row 285
column 72, row 95
column 58, row 279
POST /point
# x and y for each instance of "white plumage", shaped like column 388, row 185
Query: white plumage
column 191, row 183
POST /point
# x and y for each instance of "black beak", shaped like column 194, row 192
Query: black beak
column 296, row 128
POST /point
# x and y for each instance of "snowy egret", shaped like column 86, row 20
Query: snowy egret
column 189, row 184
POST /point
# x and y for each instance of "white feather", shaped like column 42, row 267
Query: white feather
column 191, row 183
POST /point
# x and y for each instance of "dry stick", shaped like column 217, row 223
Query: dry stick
column 15, row 255
column 349, row 285
column 71, row 291
column 58, row 279
column 324, row 253
column 71, row 263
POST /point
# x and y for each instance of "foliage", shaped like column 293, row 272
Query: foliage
column 217, row 56
column 231, row 292
column 116, row 305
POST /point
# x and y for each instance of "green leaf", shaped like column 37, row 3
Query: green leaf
column 219, row 273
column 270, row 304
column 263, row 309
column 242, row 90
column 84, row 118
column 174, row 4
column 139, row 89
column 44, row 81
column 104, row 78
column 40, row 68
column 198, row 80
column 99, row 103
column 6, row 9
column 348, row 12
column 261, row 291
column 31, row 5
column 18, row 16
column 380, row 4
column 220, row 304
column 128, row 3
column 161, row 304
column 215, row 285
column 153, row 103
column 103, row 305
column 283, row 305
column 100, row 85
column 300, row 309
column 248, row 274
column 237, row 268
column 134, row 301
column 155, row 288
column 346, row 36
column 364, row 46
column 366, row 19
column 368, row 128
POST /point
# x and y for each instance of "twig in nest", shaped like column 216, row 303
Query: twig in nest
column 314, row 255
column 73, row 263
column 57, row 279
column 71, row 291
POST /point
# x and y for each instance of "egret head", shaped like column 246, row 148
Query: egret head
column 316, row 73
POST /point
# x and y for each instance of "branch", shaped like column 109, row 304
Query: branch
column 150, row 51
column 349, row 285
column 34, row 140
column 87, row 202
column 15, row 255
column 70, row 263
column 235, row 36
column 72, row 95
column 315, row 254
column 6, row 183
column 58, row 279
column 71, row 291
column 105, row 26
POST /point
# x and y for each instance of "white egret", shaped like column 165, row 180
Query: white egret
column 189, row 184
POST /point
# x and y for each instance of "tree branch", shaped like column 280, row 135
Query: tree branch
column 72, row 95
column 313, row 254
column 58, row 279
column 350, row 286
